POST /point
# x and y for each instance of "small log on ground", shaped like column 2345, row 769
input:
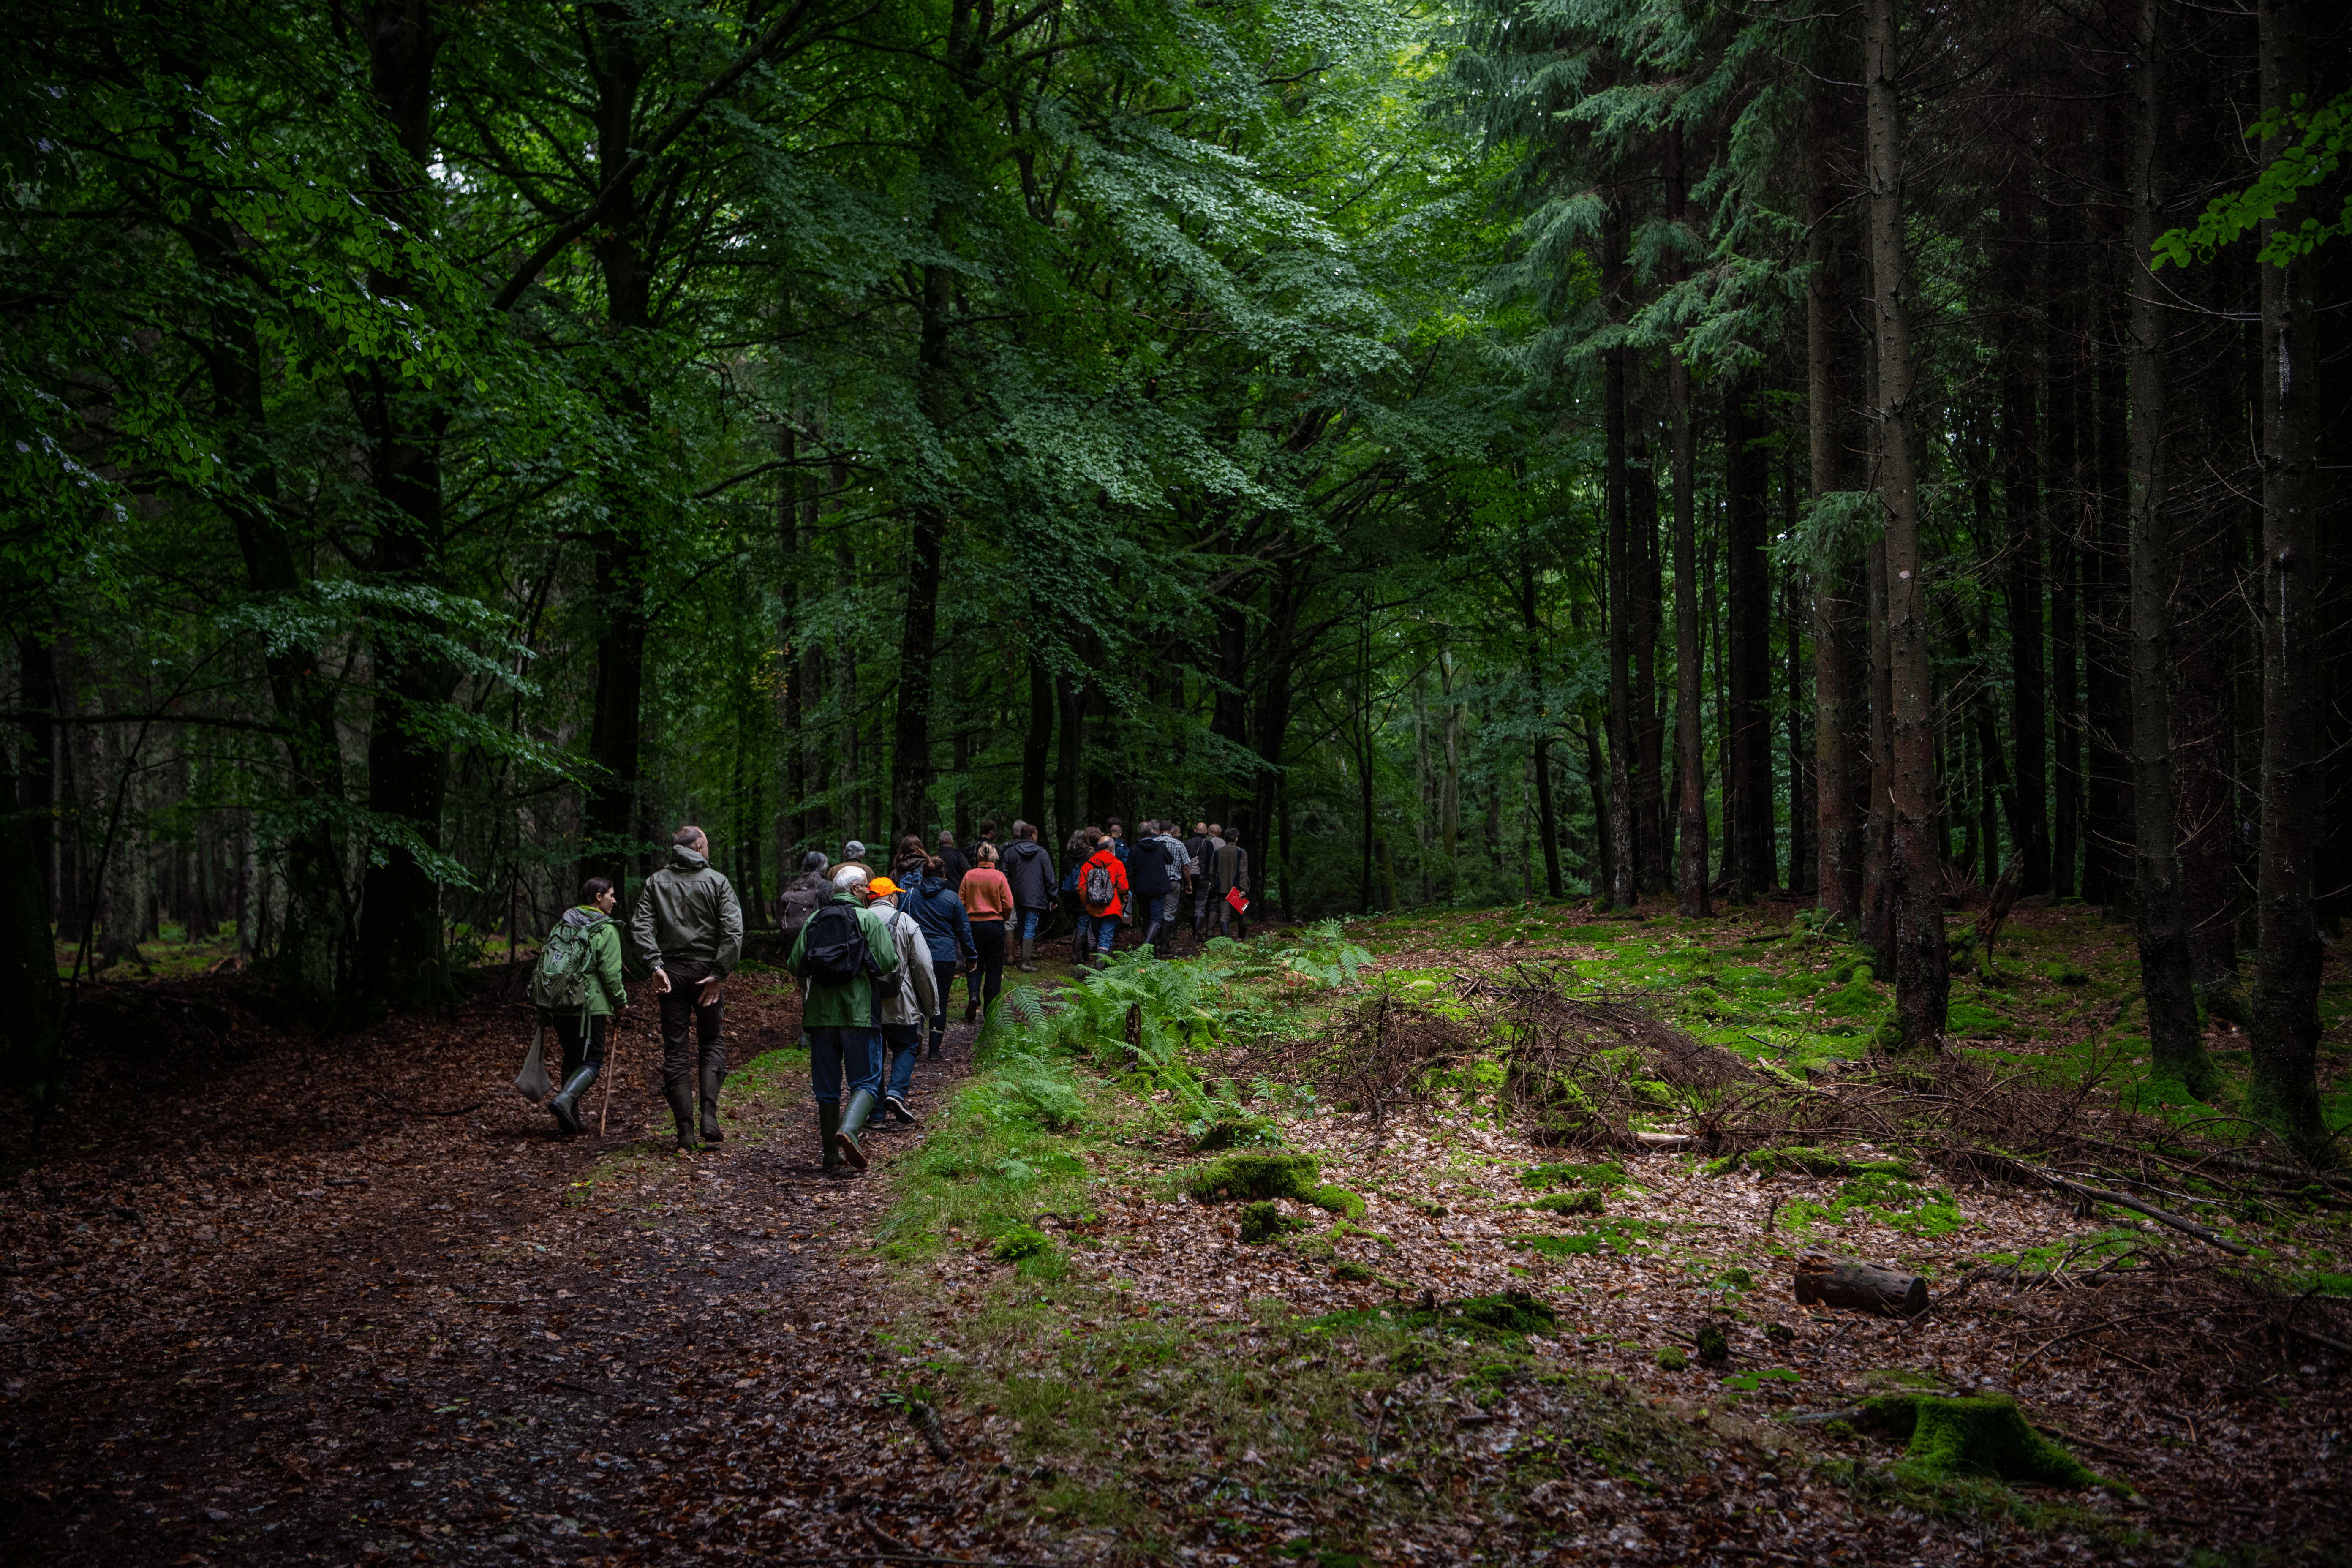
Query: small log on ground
column 1866, row 1286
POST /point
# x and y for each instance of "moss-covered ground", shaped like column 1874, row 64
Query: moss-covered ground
column 1164, row 1362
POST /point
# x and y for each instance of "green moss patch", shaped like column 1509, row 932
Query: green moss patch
column 1264, row 1220
column 1338, row 1199
column 1602, row 1174
column 1951, row 1438
column 1248, row 1178
column 1811, row 1162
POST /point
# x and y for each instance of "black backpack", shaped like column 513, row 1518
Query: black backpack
column 834, row 947
column 799, row 904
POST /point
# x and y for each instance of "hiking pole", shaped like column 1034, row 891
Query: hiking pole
column 611, row 1061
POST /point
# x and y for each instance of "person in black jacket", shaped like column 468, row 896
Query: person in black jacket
column 947, row 930
column 1156, row 875
column 1028, row 867
column 955, row 866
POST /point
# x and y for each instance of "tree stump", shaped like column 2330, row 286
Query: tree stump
column 1866, row 1286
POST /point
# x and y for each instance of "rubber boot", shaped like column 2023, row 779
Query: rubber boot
column 828, row 1132
column 566, row 1100
column 971, row 1011
column 680, row 1096
column 712, row 1076
column 1028, row 955
column 853, row 1127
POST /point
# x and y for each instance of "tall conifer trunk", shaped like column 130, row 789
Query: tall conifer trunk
column 1690, row 759
column 1748, row 648
column 2284, row 1089
column 1622, row 891
column 1922, row 978
column 2175, row 1044
column 1839, row 693
column 2021, row 483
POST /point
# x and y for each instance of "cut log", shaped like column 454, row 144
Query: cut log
column 1866, row 1286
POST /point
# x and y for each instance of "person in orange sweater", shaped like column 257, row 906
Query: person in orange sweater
column 988, row 899
column 1102, row 887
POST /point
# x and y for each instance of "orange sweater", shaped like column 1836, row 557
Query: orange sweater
column 986, row 895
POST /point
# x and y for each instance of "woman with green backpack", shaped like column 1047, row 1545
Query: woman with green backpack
column 577, row 986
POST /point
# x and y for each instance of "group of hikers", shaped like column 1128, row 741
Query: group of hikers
column 877, row 953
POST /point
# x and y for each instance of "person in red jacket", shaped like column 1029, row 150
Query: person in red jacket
column 1102, row 887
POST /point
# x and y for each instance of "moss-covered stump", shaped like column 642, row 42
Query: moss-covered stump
column 1264, row 1220
column 1983, row 1436
column 1248, row 1178
column 1511, row 1312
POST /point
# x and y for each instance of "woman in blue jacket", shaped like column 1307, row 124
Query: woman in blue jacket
column 947, row 928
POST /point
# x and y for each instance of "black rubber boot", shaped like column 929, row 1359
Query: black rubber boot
column 681, row 1107
column 712, row 1076
column 1028, row 955
column 565, row 1103
column 828, row 1132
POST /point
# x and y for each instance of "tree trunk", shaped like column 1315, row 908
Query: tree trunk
column 918, row 634
column 1866, row 1286
column 2176, row 1046
column 1653, row 873
column 1839, row 664
column 1690, row 871
column 1747, row 646
column 2021, row 483
column 2062, row 359
column 1622, row 893
column 2107, row 830
column 618, row 830
column 399, row 951
column 1036, row 744
column 2284, row 1088
column 1922, row 980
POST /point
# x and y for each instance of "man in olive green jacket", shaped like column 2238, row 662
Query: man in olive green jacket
column 838, row 1020
column 688, row 928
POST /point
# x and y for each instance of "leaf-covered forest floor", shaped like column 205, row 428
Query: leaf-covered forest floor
column 272, row 1300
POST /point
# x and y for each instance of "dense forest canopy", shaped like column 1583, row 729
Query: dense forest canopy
column 1596, row 448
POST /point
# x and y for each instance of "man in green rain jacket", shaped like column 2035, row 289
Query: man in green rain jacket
column 838, row 956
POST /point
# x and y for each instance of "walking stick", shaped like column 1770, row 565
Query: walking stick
column 611, row 1063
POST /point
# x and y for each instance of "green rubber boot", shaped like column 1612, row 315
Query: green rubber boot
column 852, row 1127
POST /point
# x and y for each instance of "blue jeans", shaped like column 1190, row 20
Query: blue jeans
column 1030, row 920
column 1099, row 932
column 902, row 1043
column 834, row 1055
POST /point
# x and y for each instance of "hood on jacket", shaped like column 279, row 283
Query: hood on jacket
column 1021, row 849
column 581, row 915
column 930, row 884
column 681, row 858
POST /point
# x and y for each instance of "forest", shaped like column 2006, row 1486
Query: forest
column 1596, row 449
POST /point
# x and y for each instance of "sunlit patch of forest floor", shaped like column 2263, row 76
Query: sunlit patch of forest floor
column 277, row 1299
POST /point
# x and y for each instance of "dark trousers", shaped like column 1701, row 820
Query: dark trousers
column 987, row 977
column 1160, row 922
column 581, row 1047
column 689, row 1031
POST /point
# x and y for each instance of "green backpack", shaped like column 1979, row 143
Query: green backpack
column 560, row 980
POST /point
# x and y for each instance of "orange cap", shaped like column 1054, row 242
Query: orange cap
column 880, row 887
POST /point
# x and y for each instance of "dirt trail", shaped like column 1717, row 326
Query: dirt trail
column 356, row 1302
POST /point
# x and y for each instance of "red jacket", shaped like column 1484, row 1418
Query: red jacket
column 1109, row 861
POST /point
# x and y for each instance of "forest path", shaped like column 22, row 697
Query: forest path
column 284, row 1312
